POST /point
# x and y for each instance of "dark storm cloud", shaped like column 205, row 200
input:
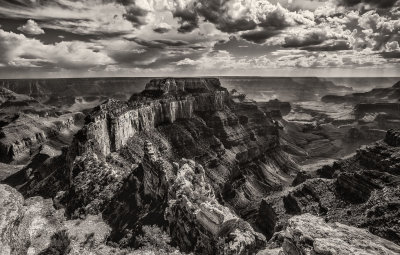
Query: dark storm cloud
column 215, row 12
column 136, row 15
column 187, row 19
column 375, row 3
column 259, row 36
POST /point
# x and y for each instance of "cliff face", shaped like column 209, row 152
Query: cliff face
column 114, row 122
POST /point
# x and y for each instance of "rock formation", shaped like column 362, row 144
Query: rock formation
column 34, row 226
column 121, row 164
column 26, row 124
column 183, row 161
column 308, row 234
column 378, row 95
column 361, row 191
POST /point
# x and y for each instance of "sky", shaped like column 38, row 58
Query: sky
column 92, row 38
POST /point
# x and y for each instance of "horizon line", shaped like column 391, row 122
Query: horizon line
column 201, row 76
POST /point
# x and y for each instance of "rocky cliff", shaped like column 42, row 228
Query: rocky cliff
column 26, row 124
column 126, row 163
column 379, row 95
column 308, row 234
column 114, row 122
column 361, row 191
column 182, row 164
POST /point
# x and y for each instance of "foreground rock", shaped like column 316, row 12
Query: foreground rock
column 33, row 226
column 308, row 234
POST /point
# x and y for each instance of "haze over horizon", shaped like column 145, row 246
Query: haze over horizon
column 139, row 38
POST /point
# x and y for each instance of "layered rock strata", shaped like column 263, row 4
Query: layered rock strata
column 115, row 122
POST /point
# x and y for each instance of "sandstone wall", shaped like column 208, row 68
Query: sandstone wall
column 110, row 129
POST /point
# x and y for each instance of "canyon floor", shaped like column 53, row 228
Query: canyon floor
column 199, row 166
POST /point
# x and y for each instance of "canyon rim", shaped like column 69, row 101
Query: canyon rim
column 199, row 127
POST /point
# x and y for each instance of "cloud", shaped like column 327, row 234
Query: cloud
column 305, row 38
column 375, row 3
column 162, row 28
column 199, row 35
column 392, row 50
column 329, row 45
column 158, row 44
column 235, row 15
column 258, row 36
column 18, row 50
column 79, row 17
column 31, row 27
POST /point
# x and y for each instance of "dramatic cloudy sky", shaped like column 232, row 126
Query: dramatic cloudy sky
column 66, row 38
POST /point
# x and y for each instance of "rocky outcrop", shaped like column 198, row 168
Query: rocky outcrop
column 275, row 105
column 199, row 223
column 23, row 134
column 181, row 85
column 34, row 226
column 361, row 191
column 393, row 138
column 308, row 234
column 362, row 109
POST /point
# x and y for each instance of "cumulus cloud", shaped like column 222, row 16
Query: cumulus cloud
column 18, row 50
column 31, row 27
column 236, row 15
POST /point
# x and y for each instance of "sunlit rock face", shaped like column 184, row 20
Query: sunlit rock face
column 309, row 234
column 114, row 122
column 200, row 223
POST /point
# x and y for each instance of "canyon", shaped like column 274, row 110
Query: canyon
column 203, row 172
